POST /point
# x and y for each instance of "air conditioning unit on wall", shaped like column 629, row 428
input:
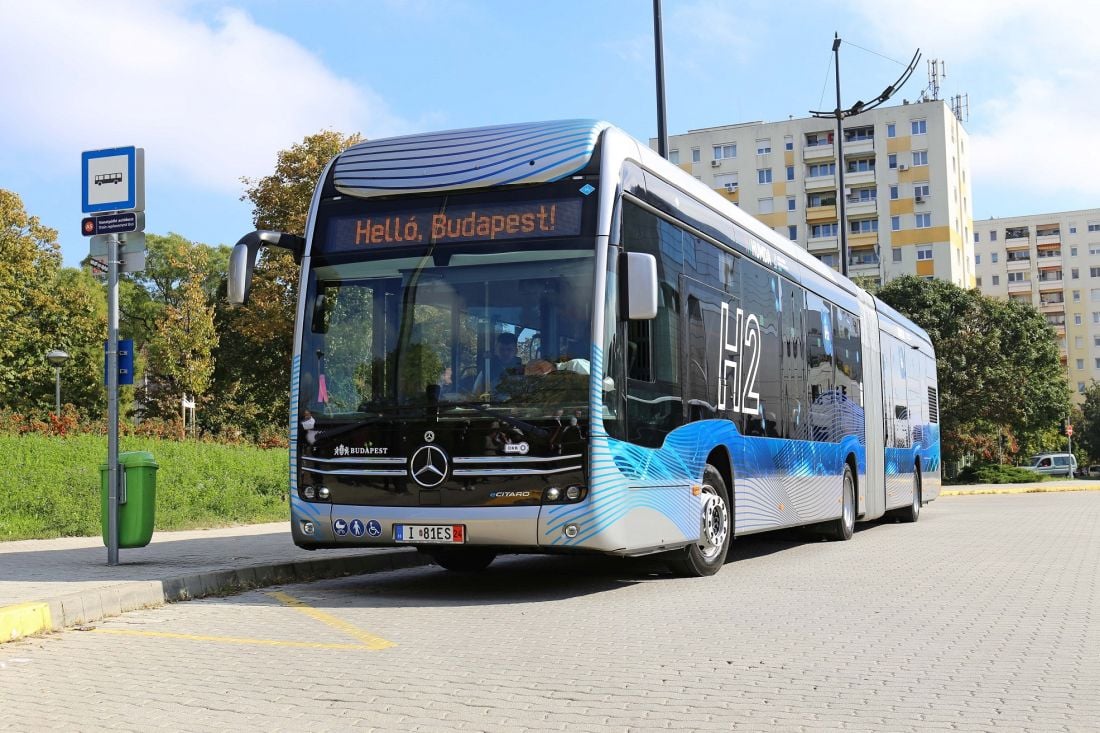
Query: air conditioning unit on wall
column 919, row 199
column 715, row 163
column 903, row 167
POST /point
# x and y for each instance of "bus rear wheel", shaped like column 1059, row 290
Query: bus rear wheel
column 461, row 559
column 911, row 513
column 707, row 556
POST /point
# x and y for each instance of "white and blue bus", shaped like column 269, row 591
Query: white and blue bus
column 547, row 338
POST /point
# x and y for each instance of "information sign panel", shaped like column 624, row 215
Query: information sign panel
column 112, row 180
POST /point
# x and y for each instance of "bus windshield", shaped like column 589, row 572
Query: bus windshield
column 458, row 328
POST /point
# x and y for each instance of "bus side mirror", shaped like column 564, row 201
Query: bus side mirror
column 640, row 270
column 243, row 259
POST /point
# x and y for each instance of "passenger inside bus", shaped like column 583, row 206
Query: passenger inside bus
column 503, row 362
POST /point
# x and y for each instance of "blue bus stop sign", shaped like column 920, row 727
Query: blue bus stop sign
column 112, row 180
column 125, row 361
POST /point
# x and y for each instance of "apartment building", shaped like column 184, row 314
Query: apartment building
column 906, row 186
column 1053, row 262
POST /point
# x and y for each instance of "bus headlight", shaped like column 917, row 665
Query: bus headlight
column 573, row 493
column 323, row 493
column 309, row 493
column 552, row 494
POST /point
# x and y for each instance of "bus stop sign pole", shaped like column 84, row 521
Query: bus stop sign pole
column 112, row 399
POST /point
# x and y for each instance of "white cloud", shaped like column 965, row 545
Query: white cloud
column 209, row 99
column 1035, row 69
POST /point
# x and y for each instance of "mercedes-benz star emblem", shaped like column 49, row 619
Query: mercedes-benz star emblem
column 428, row 466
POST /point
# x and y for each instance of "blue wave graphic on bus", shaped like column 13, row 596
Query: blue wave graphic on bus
column 777, row 481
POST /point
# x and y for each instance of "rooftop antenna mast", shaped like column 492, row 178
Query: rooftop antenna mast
column 841, row 114
column 936, row 69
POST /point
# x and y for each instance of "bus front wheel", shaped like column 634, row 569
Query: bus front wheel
column 841, row 528
column 707, row 556
column 461, row 559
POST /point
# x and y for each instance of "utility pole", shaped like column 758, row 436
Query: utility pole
column 658, row 52
column 842, row 114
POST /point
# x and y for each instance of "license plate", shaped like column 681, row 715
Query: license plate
column 446, row 534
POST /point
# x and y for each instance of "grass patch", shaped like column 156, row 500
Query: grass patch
column 51, row 485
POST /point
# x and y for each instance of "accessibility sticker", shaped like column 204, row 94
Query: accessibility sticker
column 374, row 529
column 357, row 528
column 340, row 527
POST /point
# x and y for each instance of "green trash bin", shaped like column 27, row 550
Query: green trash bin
column 138, row 486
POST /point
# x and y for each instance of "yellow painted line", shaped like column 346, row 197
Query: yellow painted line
column 228, row 639
column 369, row 640
column 24, row 619
column 1020, row 490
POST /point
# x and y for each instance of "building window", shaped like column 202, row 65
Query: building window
column 1073, row 273
column 1072, row 229
column 791, row 205
column 892, row 160
column 1094, row 227
column 977, row 259
column 1080, row 363
column 823, row 230
column 891, row 130
column 788, row 143
column 1015, row 277
column 1094, row 272
column 897, row 254
column 862, row 165
column 977, row 238
column 763, row 146
column 924, row 253
column 863, row 226
column 790, row 173
column 918, row 127
column 1072, row 251
column 920, row 191
column 725, row 151
column 764, row 175
column 792, row 232
column 993, row 257
column 1081, row 387
column 993, row 236
column 895, row 223
column 765, row 206
column 893, row 192
column 1076, row 319
column 1095, row 319
column 674, row 157
column 996, row 280
column 924, row 221
column 696, row 156
column 920, row 157
column 1094, row 295
column 822, row 169
column 1094, row 249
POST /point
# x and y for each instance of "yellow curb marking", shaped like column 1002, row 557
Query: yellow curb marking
column 367, row 641
column 1021, row 490
column 24, row 619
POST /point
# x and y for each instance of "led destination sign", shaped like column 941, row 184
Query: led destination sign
column 526, row 220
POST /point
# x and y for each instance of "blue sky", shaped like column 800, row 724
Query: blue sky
column 212, row 90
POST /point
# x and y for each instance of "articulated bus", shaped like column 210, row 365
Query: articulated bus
column 547, row 338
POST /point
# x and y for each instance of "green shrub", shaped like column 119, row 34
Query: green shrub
column 50, row 484
column 995, row 473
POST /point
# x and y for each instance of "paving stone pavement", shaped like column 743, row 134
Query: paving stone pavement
column 985, row 615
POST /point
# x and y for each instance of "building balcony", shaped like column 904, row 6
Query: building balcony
column 814, row 153
column 1052, row 306
column 857, row 178
column 1059, row 328
column 1049, row 262
column 862, row 239
column 1024, row 241
column 860, row 207
column 859, row 147
column 818, row 214
column 1020, row 286
column 1046, row 286
column 821, row 183
column 863, row 259
column 1020, row 264
column 817, row 245
column 1048, row 239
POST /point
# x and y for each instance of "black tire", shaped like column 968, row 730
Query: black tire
column 461, row 559
column 911, row 513
column 707, row 556
column 841, row 528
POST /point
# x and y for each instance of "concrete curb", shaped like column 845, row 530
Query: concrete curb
column 74, row 609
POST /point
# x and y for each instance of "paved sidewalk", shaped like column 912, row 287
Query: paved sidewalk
column 51, row 584
column 1028, row 488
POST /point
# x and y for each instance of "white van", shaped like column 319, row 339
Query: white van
column 1054, row 464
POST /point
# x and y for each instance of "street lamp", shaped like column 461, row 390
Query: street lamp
column 57, row 358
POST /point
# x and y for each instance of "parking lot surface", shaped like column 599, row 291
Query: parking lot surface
column 984, row 615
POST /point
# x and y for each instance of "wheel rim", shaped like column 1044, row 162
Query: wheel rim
column 916, row 494
column 849, row 503
column 715, row 524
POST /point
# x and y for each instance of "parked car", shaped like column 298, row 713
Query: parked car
column 1054, row 464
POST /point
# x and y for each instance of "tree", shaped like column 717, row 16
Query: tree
column 1087, row 428
column 253, row 359
column 44, row 307
column 1001, row 382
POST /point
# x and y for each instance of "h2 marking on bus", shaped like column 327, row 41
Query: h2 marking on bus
column 743, row 362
